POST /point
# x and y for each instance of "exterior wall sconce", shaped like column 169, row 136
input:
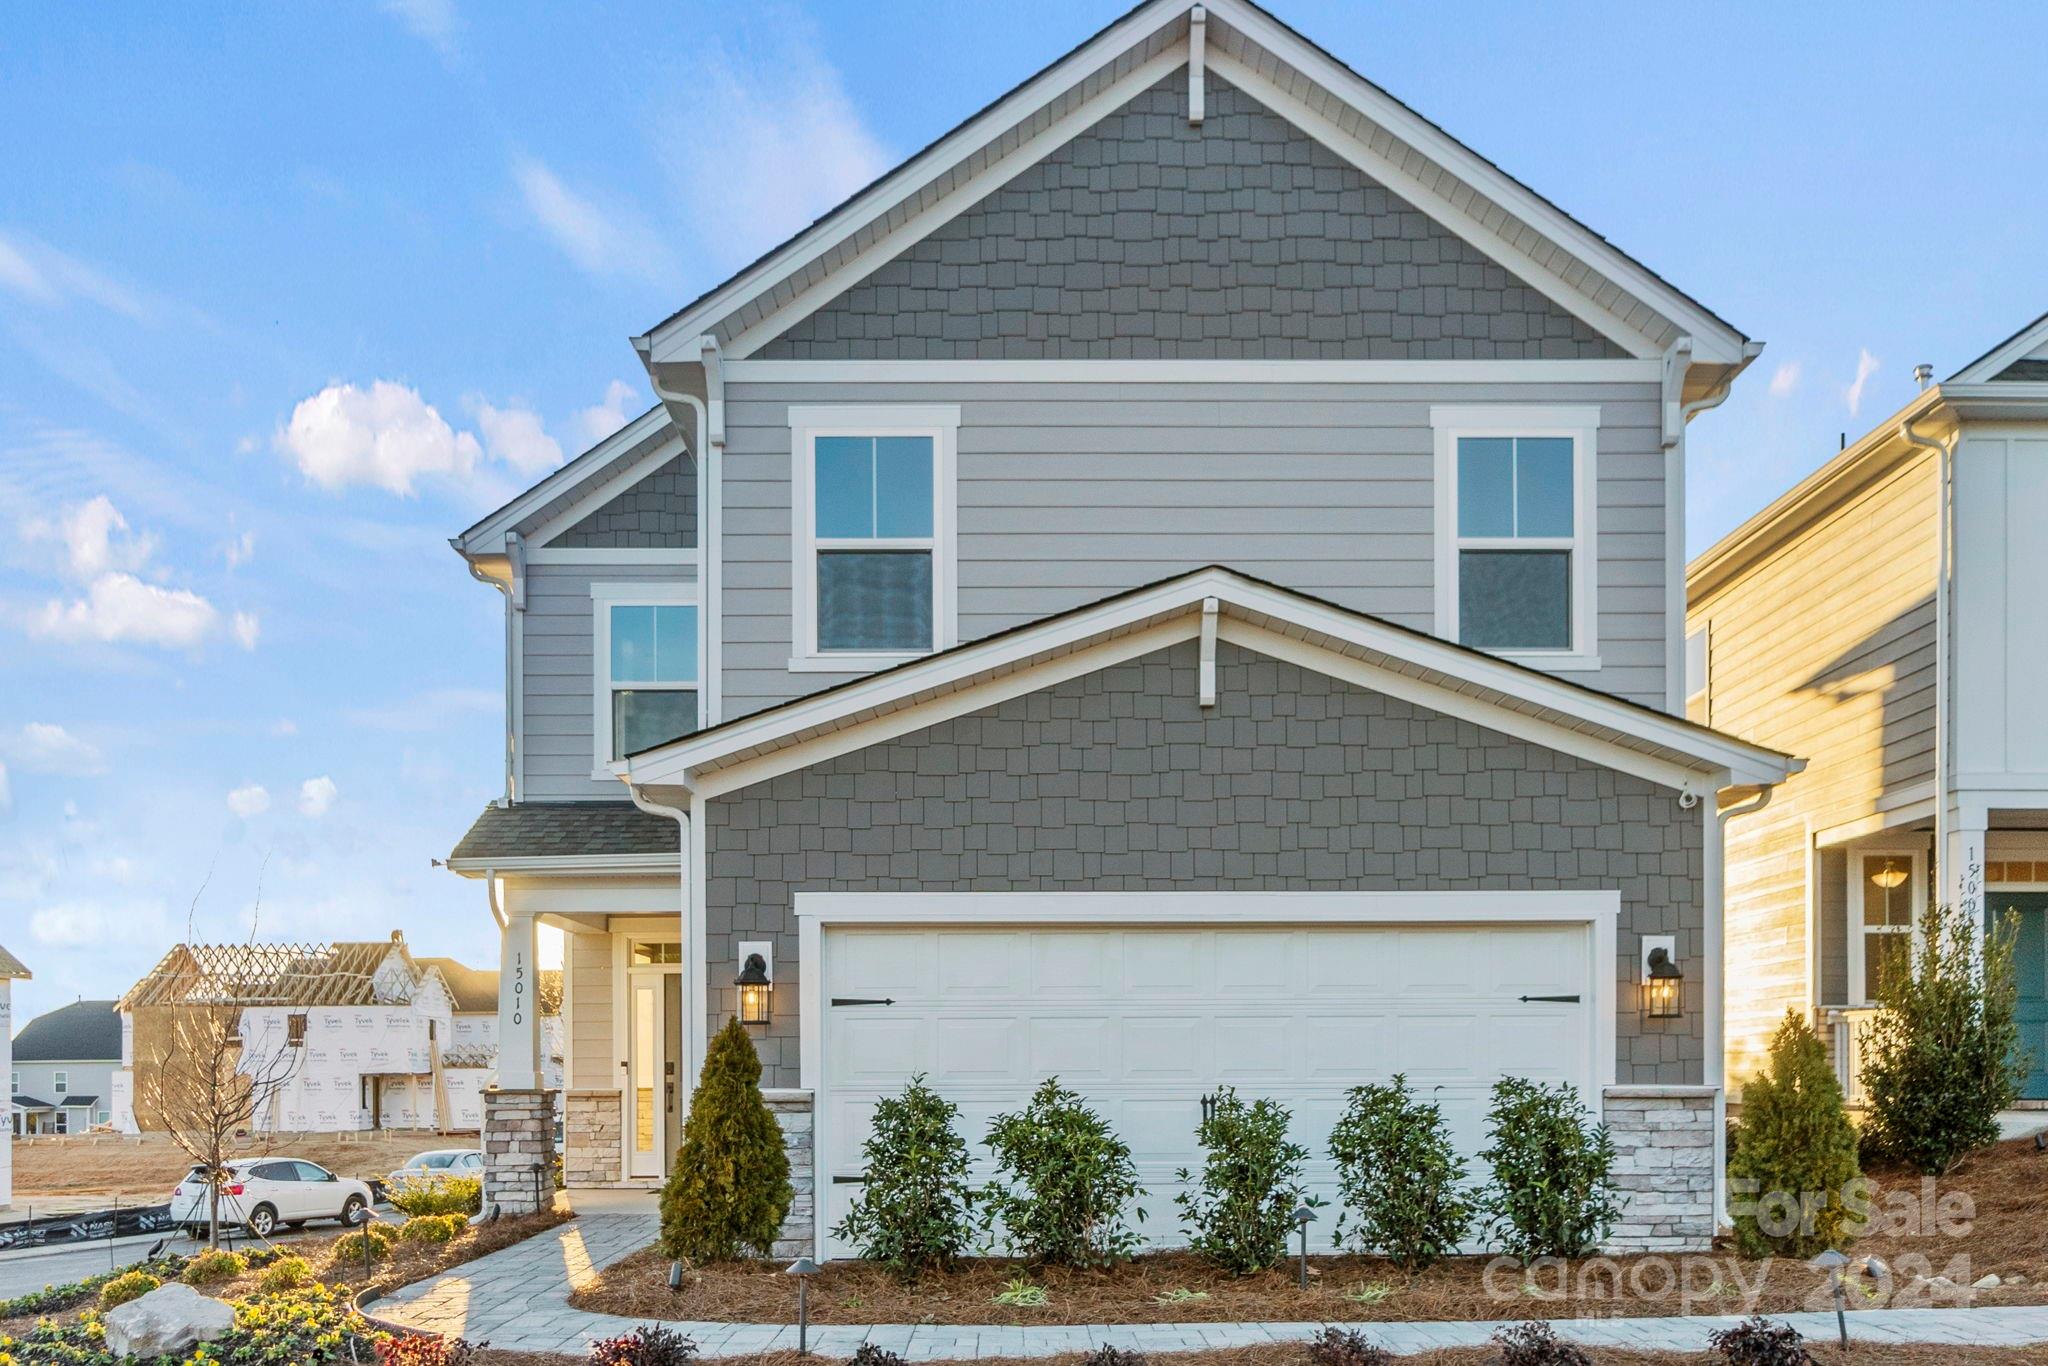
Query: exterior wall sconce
column 756, row 983
column 1663, row 983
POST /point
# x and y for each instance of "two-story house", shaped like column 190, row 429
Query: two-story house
column 63, row 1070
column 1882, row 618
column 1178, row 585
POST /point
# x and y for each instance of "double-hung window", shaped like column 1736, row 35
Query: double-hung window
column 1515, row 555
column 645, row 660
column 1887, row 893
column 872, row 534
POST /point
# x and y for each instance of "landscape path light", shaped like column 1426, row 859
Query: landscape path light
column 1832, row 1261
column 803, row 1268
column 1303, row 1217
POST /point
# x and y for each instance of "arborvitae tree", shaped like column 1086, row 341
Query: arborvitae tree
column 730, row 1189
column 1796, row 1144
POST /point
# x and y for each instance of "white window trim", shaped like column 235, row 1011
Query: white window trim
column 1916, row 874
column 60, row 1082
column 1704, row 692
column 940, row 422
column 604, row 597
column 1581, row 424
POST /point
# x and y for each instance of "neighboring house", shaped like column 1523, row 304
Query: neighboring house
column 64, row 1064
column 1883, row 619
column 11, row 970
column 376, row 1038
column 1180, row 584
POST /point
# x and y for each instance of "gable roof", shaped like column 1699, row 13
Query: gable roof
column 648, row 441
column 1213, row 602
column 2020, row 358
column 268, row 974
column 1285, row 71
column 84, row 1031
column 10, row 966
column 473, row 990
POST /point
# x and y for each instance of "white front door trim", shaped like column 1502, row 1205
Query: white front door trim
column 1598, row 910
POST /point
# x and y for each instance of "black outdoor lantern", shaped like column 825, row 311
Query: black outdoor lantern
column 754, row 990
column 1663, row 985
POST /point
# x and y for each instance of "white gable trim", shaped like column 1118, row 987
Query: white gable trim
column 1715, row 341
column 914, row 697
column 487, row 537
column 2022, row 345
column 1115, row 370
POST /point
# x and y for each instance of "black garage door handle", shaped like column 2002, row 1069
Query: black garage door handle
column 1562, row 1000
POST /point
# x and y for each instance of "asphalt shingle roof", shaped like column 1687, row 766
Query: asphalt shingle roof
column 84, row 1031
column 79, row 1100
column 31, row 1103
column 551, row 829
column 474, row 989
column 2024, row 370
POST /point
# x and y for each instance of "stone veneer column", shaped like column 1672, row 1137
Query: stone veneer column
column 593, row 1135
column 1664, row 1164
column 792, row 1110
column 519, row 1141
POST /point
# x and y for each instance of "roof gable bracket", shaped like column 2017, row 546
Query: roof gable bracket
column 1210, row 608
column 1198, row 32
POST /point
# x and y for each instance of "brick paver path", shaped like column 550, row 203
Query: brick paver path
column 518, row 1300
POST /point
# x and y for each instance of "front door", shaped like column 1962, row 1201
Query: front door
column 654, row 1045
column 2030, row 974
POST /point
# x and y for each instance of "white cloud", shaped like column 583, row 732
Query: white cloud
column 1785, row 379
column 608, row 240
column 316, row 796
column 385, row 435
column 251, row 800
column 120, row 608
column 41, row 274
column 96, row 538
column 432, row 21
column 284, row 728
column 515, row 436
column 240, row 551
column 40, row 747
column 1866, row 366
column 69, row 925
column 773, row 142
column 600, row 420
column 246, row 628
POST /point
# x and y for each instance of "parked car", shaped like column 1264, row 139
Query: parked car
column 263, row 1192
column 441, row 1164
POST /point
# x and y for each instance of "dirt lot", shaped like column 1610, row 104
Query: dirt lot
column 1986, row 1218
column 150, row 1164
column 1296, row 1354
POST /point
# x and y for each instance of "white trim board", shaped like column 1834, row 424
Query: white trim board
column 1120, row 371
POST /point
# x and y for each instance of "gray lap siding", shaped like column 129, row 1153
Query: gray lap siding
column 1119, row 781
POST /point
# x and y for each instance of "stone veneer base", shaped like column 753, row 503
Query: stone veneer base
column 519, row 1150
column 1664, row 1164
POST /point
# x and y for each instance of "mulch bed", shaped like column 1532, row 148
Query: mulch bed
column 1296, row 1354
column 2005, row 1216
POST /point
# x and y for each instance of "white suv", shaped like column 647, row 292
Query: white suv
column 263, row 1192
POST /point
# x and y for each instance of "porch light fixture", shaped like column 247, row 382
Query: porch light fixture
column 1889, row 876
column 1663, row 984
column 755, row 989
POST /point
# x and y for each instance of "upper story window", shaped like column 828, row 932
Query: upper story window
column 872, row 497
column 1515, row 554
column 644, row 658
column 60, row 1082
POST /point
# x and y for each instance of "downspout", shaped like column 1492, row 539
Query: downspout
column 693, row 967
column 1716, row 984
column 1945, row 458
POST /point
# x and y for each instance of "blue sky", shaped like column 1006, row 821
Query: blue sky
column 239, row 665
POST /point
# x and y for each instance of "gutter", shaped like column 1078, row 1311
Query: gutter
column 511, row 742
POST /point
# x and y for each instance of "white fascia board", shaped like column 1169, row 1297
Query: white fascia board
column 2019, row 346
column 1714, row 340
column 1118, row 371
column 867, row 712
column 668, row 341
column 567, row 865
column 488, row 536
column 603, row 491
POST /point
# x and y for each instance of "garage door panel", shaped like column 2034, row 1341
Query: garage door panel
column 1143, row 1022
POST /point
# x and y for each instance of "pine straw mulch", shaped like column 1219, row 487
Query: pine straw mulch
column 1296, row 1354
column 2004, row 1216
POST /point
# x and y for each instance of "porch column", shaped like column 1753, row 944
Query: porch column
column 1962, row 868
column 518, row 1006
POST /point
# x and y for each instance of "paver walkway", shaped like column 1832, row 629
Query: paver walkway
column 518, row 1300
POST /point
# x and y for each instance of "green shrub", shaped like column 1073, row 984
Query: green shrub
column 1552, row 1192
column 914, row 1212
column 451, row 1195
column 364, row 1243
column 286, row 1273
column 1796, row 1155
column 730, row 1188
column 129, row 1285
column 1399, row 1176
column 1943, row 1055
column 431, row 1228
column 1240, row 1210
column 1063, row 1178
column 211, row 1268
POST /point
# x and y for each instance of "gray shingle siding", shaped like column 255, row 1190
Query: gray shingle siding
column 658, row 512
column 1147, row 236
column 1118, row 781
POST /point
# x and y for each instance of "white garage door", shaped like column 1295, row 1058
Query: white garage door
column 1145, row 1021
